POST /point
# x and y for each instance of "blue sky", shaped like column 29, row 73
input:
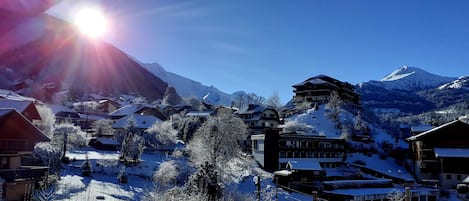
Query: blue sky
column 264, row 46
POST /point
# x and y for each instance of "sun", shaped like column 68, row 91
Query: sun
column 91, row 22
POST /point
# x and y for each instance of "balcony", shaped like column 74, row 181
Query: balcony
column 24, row 173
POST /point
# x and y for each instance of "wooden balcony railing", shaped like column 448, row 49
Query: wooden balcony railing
column 24, row 172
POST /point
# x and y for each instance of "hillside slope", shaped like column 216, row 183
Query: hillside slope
column 56, row 57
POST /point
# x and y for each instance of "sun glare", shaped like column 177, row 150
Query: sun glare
column 91, row 22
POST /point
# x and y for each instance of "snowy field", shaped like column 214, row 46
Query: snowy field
column 103, row 184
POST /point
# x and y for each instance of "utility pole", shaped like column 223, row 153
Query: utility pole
column 257, row 181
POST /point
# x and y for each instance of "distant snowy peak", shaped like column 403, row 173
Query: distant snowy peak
column 412, row 78
column 190, row 88
column 461, row 83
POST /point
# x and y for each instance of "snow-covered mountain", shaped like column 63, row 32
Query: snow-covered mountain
column 460, row 83
column 412, row 78
column 413, row 90
column 42, row 55
column 187, row 87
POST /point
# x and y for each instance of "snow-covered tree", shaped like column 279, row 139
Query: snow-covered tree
column 48, row 155
column 171, row 97
column 166, row 175
column 103, row 127
column 187, row 127
column 216, row 141
column 206, row 182
column 294, row 126
column 68, row 137
column 46, row 124
column 194, row 102
column 334, row 107
column 396, row 196
column 132, row 145
column 161, row 134
column 132, row 148
column 274, row 101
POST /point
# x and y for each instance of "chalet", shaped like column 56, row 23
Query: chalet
column 18, row 136
column 7, row 94
column 137, row 110
column 301, row 175
column 104, row 144
column 319, row 88
column 142, row 123
column 96, row 107
column 26, row 108
column 273, row 151
column 65, row 114
column 440, row 153
column 258, row 118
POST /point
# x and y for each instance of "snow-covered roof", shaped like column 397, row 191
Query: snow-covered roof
column 254, row 109
column 421, row 128
column 141, row 121
column 19, row 105
column 60, row 108
column 451, row 152
column 282, row 172
column 421, row 135
column 200, row 114
column 108, row 141
column 317, row 80
column 4, row 112
column 91, row 117
column 304, row 165
column 7, row 94
column 124, row 111
column 466, row 180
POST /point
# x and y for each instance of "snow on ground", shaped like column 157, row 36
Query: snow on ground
column 384, row 166
column 104, row 184
column 103, row 181
column 323, row 125
column 318, row 119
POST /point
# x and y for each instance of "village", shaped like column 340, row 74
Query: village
column 320, row 146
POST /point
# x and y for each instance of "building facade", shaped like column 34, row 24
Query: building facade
column 273, row 150
column 18, row 136
column 440, row 153
column 318, row 89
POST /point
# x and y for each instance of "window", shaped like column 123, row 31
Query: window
column 448, row 177
column 255, row 145
column 281, row 154
column 3, row 163
column 459, row 177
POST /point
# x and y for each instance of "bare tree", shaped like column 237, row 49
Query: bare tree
column 274, row 101
column 334, row 107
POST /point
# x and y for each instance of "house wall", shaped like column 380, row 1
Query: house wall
column 428, row 167
column 16, row 191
